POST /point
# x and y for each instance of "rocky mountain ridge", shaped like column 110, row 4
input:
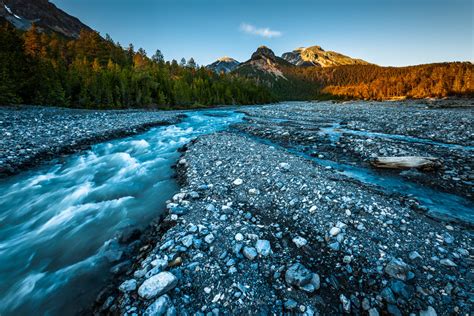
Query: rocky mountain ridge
column 316, row 56
column 224, row 64
column 44, row 14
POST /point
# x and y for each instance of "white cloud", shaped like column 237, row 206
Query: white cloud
column 263, row 32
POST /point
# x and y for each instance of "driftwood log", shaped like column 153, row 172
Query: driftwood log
column 407, row 162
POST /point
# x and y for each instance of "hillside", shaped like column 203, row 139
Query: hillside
column 44, row 14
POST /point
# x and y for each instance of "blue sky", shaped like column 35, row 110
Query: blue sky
column 385, row 32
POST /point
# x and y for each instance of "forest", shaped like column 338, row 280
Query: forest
column 371, row 82
column 94, row 72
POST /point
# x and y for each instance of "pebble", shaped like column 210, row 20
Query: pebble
column 209, row 238
column 128, row 286
column 161, row 306
column 249, row 252
column 396, row 268
column 430, row 311
column 157, row 285
column 238, row 181
column 239, row 237
column 300, row 241
column 263, row 247
column 448, row 263
column 334, row 231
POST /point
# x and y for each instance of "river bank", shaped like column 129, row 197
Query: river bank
column 32, row 135
column 262, row 225
column 281, row 213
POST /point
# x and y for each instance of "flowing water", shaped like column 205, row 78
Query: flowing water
column 58, row 222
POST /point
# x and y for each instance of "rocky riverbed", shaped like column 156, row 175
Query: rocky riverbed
column 266, row 222
column 30, row 135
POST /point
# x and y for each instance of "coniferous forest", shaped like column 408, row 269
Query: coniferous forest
column 371, row 82
column 93, row 72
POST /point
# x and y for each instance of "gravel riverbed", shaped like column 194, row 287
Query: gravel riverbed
column 31, row 135
column 269, row 219
column 260, row 229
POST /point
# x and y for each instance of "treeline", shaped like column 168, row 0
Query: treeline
column 379, row 83
column 93, row 72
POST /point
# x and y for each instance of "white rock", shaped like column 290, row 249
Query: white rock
column 238, row 181
column 254, row 192
column 157, row 285
column 159, row 307
column 239, row 237
column 128, row 286
column 300, row 241
column 263, row 247
column 209, row 238
column 334, row 231
column 448, row 263
column 313, row 209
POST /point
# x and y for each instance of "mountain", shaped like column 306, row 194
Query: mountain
column 316, row 56
column 224, row 64
column 264, row 62
column 46, row 16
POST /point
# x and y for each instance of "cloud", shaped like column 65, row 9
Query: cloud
column 263, row 32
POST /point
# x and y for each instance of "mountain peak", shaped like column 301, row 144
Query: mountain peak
column 23, row 13
column 224, row 64
column 226, row 59
column 263, row 51
column 317, row 56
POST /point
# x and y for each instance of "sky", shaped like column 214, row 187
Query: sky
column 384, row 32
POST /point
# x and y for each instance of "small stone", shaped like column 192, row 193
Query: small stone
column 128, row 286
column 209, row 238
column 347, row 259
column 373, row 312
column 300, row 241
column 430, row 311
column 187, row 241
column 335, row 246
column 285, row 166
column 334, row 231
column 313, row 209
column 393, row 310
column 238, row 181
column 160, row 307
column 365, row 304
column 207, row 290
column 388, row 295
column 290, row 304
column 254, row 192
column 298, row 275
column 398, row 269
column 239, row 237
column 448, row 238
column 263, row 247
column 249, row 252
column 157, row 285
column 448, row 263
column 414, row 255
column 346, row 303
